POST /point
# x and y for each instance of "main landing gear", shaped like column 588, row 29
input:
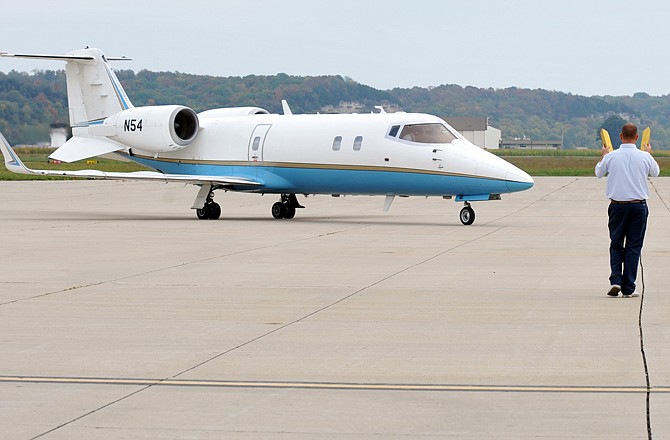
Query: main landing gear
column 286, row 207
column 467, row 214
column 210, row 210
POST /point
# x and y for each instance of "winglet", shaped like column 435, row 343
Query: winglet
column 12, row 161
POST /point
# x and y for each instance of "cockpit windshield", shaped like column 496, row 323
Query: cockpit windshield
column 427, row 133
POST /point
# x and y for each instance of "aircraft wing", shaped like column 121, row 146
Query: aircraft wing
column 14, row 164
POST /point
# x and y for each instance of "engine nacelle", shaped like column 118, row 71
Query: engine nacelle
column 232, row 111
column 155, row 129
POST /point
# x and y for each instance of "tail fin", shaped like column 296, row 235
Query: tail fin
column 93, row 93
column 93, row 90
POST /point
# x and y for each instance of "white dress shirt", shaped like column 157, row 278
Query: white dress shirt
column 627, row 170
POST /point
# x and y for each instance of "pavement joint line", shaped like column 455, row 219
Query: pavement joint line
column 651, row 182
column 339, row 301
column 174, row 266
column 196, row 383
column 146, row 386
column 541, row 199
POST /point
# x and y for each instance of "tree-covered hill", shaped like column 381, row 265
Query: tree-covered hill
column 29, row 103
column 306, row 94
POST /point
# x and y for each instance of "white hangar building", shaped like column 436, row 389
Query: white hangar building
column 477, row 130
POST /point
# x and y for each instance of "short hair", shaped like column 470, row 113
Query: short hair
column 629, row 131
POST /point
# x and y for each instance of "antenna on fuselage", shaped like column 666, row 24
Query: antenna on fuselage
column 286, row 108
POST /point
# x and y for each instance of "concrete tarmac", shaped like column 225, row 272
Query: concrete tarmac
column 122, row 316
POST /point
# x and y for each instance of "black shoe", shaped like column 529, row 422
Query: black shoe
column 614, row 290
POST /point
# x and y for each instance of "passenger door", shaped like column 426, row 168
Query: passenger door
column 257, row 142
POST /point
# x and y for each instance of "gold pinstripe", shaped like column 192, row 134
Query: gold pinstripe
column 320, row 166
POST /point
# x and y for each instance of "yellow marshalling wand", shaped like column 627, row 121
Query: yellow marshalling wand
column 646, row 135
column 605, row 136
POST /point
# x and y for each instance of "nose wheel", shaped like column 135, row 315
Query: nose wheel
column 467, row 214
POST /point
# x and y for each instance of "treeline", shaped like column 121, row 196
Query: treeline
column 29, row 103
column 544, row 115
column 200, row 92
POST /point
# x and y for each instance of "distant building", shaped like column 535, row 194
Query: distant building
column 58, row 135
column 477, row 130
column 530, row 144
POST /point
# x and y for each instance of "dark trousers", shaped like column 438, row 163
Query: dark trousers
column 627, row 225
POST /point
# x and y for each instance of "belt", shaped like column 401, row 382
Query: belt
column 618, row 202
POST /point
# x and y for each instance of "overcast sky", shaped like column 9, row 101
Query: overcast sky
column 585, row 47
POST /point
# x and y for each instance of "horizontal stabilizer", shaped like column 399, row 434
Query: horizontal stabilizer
column 78, row 148
column 67, row 57
column 40, row 56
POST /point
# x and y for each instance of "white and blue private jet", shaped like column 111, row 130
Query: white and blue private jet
column 248, row 149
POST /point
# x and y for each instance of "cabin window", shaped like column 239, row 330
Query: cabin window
column 394, row 131
column 337, row 143
column 256, row 144
column 358, row 142
column 427, row 134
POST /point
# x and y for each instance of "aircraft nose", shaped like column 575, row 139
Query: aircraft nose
column 518, row 180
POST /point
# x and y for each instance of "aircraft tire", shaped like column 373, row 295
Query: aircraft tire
column 213, row 211
column 289, row 211
column 278, row 210
column 467, row 215
column 201, row 213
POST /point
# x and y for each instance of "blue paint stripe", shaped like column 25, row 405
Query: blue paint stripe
column 117, row 87
column 15, row 159
column 305, row 180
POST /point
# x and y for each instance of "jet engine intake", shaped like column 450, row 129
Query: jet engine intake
column 154, row 129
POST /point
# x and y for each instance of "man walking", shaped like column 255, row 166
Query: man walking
column 627, row 169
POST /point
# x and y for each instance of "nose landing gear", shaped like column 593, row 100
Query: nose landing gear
column 467, row 214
